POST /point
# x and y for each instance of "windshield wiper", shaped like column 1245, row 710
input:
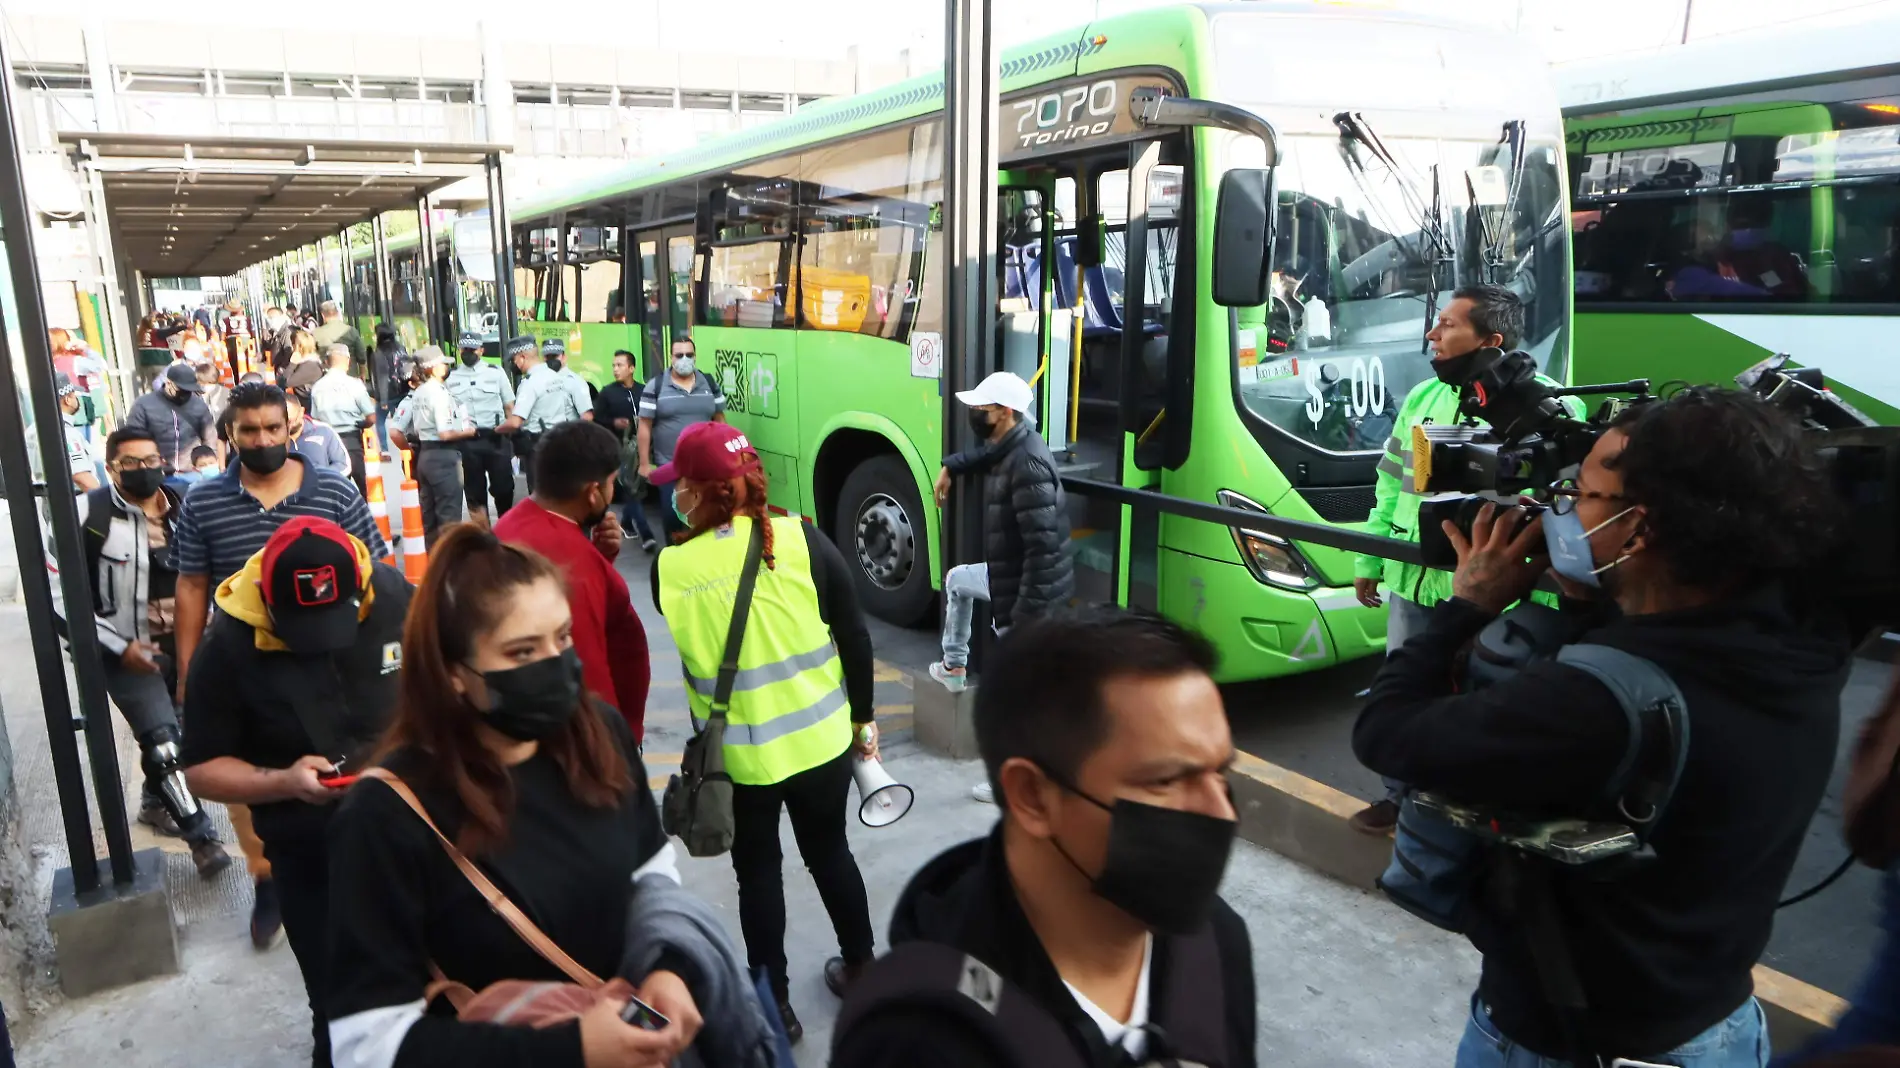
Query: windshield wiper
column 1493, row 230
column 1435, row 247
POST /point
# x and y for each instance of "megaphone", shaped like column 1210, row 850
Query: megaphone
column 885, row 800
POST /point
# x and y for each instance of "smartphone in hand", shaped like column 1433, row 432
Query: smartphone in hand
column 644, row 1016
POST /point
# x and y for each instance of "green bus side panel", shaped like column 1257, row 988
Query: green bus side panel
column 1266, row 632
column 590, row 346
column 410, row 330
column 758, row 371
column 1616, row 346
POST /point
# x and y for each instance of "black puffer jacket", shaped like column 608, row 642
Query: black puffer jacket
column 1025, row 525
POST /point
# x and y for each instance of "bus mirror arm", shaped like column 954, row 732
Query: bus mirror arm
column 1247, row 211
column 1152, row 107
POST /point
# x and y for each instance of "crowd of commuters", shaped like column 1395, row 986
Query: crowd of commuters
column 440, row 790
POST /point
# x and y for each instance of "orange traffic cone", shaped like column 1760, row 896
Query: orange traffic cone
column 379, row 511
column 415, row 550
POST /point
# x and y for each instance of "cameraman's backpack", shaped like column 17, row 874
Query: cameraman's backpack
column 1437, row 865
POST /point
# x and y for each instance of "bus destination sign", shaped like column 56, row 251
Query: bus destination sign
column 1073, row 114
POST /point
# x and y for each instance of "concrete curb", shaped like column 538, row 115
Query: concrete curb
column 1306, row 821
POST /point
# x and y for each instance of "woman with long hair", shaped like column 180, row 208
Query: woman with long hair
column 537, row 783
column 805, row 657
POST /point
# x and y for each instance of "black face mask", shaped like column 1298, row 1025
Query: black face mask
column 1455, row 370
column 980, row 422
column 471, row 358
column 1164, row 865
column 264, row 459
column 139, row 485
column 531, row 702
column 180, row 397
column 555, row 363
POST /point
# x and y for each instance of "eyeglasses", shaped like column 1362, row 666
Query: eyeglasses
column 1565, row 493
column 134, row 463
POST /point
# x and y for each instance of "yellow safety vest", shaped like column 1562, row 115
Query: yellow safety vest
column 788, row 710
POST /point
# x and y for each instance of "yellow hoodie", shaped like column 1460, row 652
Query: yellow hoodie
column 242, row 595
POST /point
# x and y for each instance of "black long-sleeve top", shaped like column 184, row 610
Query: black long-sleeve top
column 838, row 607
column 398, row 904
column 1663, row 951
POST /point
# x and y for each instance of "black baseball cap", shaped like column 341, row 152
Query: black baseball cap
column 184, row 376
column 313, row 585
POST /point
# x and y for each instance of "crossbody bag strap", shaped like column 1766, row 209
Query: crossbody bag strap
column 735, row 634
column 497, row 901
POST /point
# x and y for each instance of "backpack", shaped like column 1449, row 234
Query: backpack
column 1437, row 864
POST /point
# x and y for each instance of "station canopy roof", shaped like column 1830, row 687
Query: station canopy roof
column 183, row 206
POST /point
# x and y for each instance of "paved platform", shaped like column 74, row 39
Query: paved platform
column 1344, row 977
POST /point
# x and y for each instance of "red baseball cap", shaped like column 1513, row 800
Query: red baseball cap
column 707, row 452
column 313, row 584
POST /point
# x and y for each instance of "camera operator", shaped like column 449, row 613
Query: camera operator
column 1692, row 519
column 1476, row 317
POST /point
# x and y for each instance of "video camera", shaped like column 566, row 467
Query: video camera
column 1532, row 439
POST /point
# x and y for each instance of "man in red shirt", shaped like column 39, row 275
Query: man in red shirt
column 569, row 519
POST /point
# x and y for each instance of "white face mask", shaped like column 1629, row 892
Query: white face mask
column 682, row 365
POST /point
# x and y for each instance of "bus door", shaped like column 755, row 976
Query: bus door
column 666, row 290
column 1114, row 274
column 1033, row 333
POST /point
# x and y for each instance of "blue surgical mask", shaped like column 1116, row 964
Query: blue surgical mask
column 1569, row 546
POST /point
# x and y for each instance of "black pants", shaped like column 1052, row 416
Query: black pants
column 817, row 800
column 146, row 703
column 524, row 450
column 353, row 444
column 301, row 870
column 488, row 469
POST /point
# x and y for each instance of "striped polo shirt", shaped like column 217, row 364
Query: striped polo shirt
column 221, row 525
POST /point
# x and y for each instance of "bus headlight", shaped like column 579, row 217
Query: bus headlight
column 1271, row 558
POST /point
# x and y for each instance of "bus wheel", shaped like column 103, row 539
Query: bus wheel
column 880, row 529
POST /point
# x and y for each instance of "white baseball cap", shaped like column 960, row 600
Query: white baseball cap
column 1002, row 388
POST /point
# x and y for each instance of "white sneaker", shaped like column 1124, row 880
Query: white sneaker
column 982, row 792
column 650, row 545
column 953, row 683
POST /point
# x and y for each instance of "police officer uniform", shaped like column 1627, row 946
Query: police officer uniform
column 488, row 457
column 545, row 398
column 432, row 414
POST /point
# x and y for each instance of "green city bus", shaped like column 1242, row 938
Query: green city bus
column 806, row 260
column 1736, row 198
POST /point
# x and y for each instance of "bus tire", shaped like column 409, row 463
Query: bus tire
column 881, row 530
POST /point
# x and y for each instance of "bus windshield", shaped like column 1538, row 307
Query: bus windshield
column 1370, row 245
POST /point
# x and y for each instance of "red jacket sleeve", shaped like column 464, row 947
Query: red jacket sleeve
column 627, row 652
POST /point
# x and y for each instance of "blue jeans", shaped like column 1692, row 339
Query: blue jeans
column 1740, row 1041
column 1873, row 1013
column 633, row 515
column 963, row 586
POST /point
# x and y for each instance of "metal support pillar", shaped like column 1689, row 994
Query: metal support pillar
column 380, row 252
column 350, row 310
column 425, row 246
column 16, row 223
column 499, row 235
column 124, row 356
column 969, row 226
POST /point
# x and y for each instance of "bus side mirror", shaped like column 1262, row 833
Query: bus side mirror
column 1090, row 246
column 1243, row 238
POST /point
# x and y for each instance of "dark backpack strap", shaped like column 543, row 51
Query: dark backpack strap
column 1188, row 1023
column 1658, row 716
column 936, row 978
column 100, row 510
